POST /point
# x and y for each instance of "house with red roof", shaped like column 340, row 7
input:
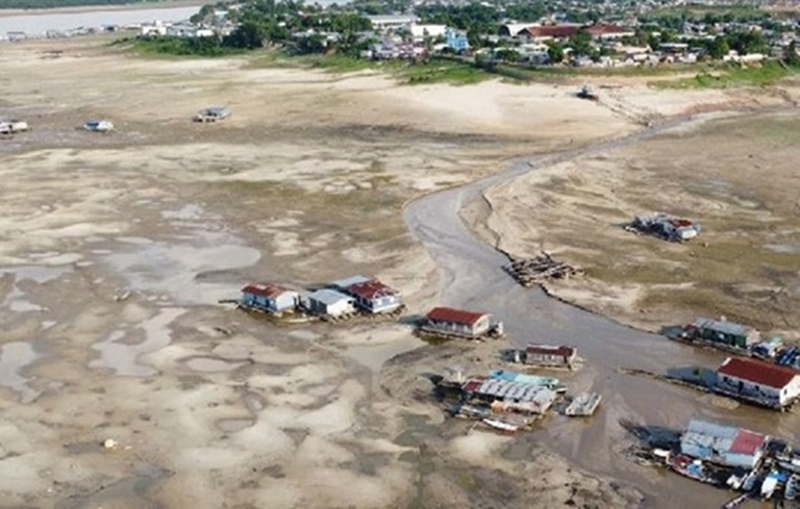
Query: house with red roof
column 550, row 355
column 761, row 382
column 269, row 297
column 723, row 445
column 459, row 322
column 370, row 294
column 541, row 33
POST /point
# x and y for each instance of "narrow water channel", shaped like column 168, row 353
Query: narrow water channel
column 473, row 278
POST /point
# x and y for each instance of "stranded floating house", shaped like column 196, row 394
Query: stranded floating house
column 758, row 382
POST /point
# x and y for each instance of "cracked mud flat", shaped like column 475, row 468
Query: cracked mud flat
column 115, row 250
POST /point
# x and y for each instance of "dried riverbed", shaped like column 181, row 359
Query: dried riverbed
column 115, row 250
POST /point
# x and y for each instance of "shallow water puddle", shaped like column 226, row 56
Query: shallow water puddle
column 123, row 358
column 172, row 268
column 15, row 300
column 14, row 357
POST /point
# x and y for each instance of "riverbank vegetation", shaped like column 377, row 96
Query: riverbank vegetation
column 733, row 75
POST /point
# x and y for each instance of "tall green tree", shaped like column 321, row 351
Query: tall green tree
column 555, row 53
column 718, row 48
column 248, row 35
column 791, row 57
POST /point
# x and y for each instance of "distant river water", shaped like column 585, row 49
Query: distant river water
column 42, row 21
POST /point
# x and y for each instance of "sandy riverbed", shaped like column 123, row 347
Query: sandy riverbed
column 117, row 247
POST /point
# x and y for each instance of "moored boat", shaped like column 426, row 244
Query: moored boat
column 790, row 493
column 501, row 425
column 693, row 469
column 771, row 483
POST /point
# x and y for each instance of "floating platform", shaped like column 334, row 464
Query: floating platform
column 583, row 405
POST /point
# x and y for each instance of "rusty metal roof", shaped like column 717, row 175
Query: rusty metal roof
column 458, row 316
column 560, row 351
column 269, row 291
column 369, row 290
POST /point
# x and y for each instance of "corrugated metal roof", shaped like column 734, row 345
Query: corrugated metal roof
column 455, row 316
column 343, row 284
column 329, row 297
column 712, row 440
column 544, row 381
column 503, row 389
column 732, row 328
column 747, row 442
column 761, row 373
column 371, row 290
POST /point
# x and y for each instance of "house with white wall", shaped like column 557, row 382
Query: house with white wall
column 763, row 383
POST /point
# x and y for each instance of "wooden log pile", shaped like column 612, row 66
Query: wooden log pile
column 534, row 270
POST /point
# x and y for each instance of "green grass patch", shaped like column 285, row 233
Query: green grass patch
column 202, row 47
column 728, row 76
column 454, row 73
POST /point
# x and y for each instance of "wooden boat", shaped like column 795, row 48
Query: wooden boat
column 502, row 426
column 693, row 469
column 790, row 464
column 736, row 502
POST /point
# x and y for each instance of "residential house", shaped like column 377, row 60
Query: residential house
column 188, row 30
column 724, row 445
column 505, row 395
column 456, row 40
column 269, row 297
column 549, row 355
column 374, row 297
column 331, row 303
column 456, row 321
column 761, row 382
column 151, row 30
column 722, row 333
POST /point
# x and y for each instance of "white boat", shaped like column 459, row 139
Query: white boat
column 749, row 481
column 768, row 486
column 791, row 488
column 734, row 482
column 503, row 426
column 99, row 126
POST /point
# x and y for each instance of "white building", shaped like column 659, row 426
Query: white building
column 420, row 32
column 764, row 383
column 392, row 21
column 153, row 29
column 331, row 303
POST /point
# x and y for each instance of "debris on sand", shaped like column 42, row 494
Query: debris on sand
column 534, row 270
